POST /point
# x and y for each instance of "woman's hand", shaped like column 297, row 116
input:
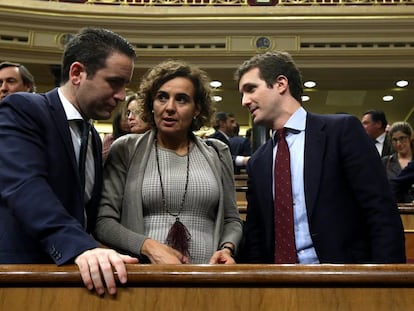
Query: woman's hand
column 222, row 256
column 159, row 253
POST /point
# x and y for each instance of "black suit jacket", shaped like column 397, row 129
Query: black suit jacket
column 387, row 148
column 240, row 146
column 41, row 200
column 220, row 136
column 351, row 213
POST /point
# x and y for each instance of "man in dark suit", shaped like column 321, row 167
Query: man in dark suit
column 46, row 211
column 224, row 126
column 375, row 123
column 224, row 129
column 239, row 146
column 343, row 210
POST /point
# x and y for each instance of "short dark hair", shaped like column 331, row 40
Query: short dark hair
column 220, row 116
column 377, row 116
column 271, row 65
column 27, row 77
column 91, row 47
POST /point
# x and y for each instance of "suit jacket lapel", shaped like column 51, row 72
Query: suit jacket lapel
column 264, row 173
column 61, row 124
column 97, row 152
column 315, row 144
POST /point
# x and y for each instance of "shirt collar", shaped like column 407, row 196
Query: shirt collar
column 381, row 138
column 225, row 135
column 296, row 122
column 71, row 112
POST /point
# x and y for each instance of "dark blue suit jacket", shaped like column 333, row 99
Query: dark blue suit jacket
column 240, row 146
column 350, row 208
column 220, row 136
column 41, row 201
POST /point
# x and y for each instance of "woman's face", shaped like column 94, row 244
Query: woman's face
column 136, row 124
column 401, row 142
column 174, row 107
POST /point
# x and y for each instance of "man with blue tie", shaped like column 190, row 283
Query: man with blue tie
column 326, row 198
column 48, row 199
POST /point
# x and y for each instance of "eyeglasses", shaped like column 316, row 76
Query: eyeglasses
column 400, row 140
column 129, row 113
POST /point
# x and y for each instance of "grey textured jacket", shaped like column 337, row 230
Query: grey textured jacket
column 120, row 221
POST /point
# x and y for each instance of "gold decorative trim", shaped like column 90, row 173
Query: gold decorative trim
column 247, row 2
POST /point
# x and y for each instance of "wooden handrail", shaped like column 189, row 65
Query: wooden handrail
column 406, row 208
column 221, row 275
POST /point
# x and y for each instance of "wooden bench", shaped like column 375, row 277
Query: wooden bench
column 406, row 213
column 214, row 287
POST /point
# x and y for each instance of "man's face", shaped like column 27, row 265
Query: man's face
column 230, row 124
column 11, row 82
column 372, row 128
column 98, row 95
column 262, row 101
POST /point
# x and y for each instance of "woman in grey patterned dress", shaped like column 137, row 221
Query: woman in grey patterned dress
column 168, row 195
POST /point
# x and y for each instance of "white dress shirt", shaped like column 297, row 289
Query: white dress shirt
column 72, row 114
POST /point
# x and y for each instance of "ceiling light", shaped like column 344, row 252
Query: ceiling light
column 215, row 84
column 217, row 98
column 305, row 98
column 402, row 83
column 388, row 98
column 309, row 84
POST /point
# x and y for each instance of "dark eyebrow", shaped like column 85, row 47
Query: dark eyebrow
column 183, row 95
column 118, row 80
column 248, row 86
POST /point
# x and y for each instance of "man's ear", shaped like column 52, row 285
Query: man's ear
column 281, row 83
column 76, row 72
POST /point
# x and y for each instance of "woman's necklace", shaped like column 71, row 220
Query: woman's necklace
column 178, row 236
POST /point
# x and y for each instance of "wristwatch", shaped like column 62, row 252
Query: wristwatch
column 229, row 248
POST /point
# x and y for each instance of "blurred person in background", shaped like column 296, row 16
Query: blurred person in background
column 134, row 116
column 402, row 140
column 14, row 78
column 375, row 124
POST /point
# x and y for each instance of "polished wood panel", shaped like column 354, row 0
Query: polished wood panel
column 407, row 215
column 215, row 287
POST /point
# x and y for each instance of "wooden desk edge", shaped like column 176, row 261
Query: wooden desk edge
column 221, row 275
